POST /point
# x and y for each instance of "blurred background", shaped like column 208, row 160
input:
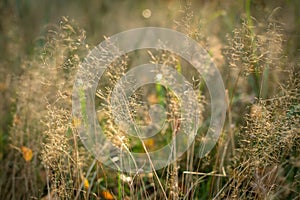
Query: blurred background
column 23, row 23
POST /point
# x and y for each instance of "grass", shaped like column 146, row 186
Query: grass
column 256, row 157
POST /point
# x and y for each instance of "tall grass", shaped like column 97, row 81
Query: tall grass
column 257, row 156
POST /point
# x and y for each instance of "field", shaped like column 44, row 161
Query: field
column 181, row 134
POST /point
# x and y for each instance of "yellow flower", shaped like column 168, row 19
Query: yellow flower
column 86, row 184
column 150, row 144
column 76, row 122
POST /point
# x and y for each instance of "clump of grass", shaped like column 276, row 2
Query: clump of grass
column 269, row 148
column 106, row 112
column 189, row 24
column 65, row 160
column 255, row 51
column 43, row 111
column 260, row 167
column 254, row 48
column 268, row 143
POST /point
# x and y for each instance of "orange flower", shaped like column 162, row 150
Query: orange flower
column 107, row 195
column 27, row 153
